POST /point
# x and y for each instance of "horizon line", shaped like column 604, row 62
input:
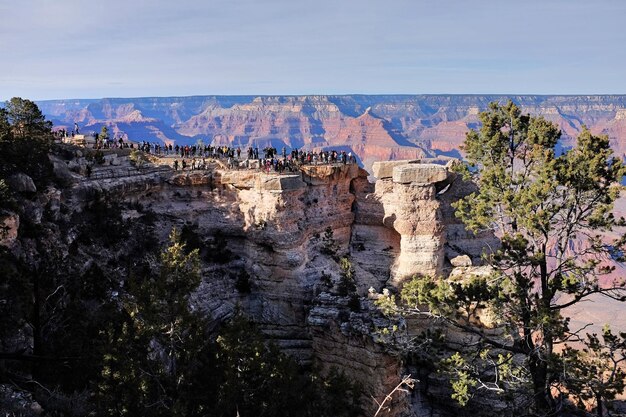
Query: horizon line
column 335, row 95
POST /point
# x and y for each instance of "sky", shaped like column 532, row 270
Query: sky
column 56, row 49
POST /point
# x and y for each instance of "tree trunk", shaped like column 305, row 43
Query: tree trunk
column 544, row 404
column 542, row 374
column 36, row 325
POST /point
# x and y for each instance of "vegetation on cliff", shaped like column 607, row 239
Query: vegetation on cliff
column 548, row 209
column 100, row 314
column 159, row 361
column 96, row 318
column 25, row 139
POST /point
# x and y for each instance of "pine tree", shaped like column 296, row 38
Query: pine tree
column 26, row 138
column 549, row 211
column 104, row 134
column 5, row 126
column 595, row 374
column 27, row 120
column 151, row 357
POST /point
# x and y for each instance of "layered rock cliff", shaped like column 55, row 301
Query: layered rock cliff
column 273, row 245
column 374, row 127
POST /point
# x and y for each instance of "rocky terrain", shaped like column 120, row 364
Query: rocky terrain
column 273, row 245
column 374, row 127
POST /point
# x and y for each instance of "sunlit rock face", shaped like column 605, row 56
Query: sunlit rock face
column 412, row 202
column 284, row 235
column 379, row 127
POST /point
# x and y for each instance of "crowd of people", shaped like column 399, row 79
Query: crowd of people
column 114, row 144
column 269, row 160
column 194, row 157
column 291, row 162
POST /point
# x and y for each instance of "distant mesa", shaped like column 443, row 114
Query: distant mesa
column 378, row 127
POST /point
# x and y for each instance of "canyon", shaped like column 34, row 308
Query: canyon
column 279, row 246
column 288, row 235
column 374, row 127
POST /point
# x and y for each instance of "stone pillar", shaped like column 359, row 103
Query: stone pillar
column 414, row 211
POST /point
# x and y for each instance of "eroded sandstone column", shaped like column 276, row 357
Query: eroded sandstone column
column 418, row 220
column 407, row 194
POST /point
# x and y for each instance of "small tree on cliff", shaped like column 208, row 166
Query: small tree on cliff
column 103, row 136
column 596, row 373
column 5, row 126
column 548, row 211
column 26, row 120
column 25, row 139
column 152, row 356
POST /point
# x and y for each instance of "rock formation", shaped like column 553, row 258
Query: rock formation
column 284, row 234
column 374, row 127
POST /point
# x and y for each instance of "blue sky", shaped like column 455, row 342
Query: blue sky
column 130, row 48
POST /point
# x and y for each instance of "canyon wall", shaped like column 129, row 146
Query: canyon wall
column 380, row 127
column 301, row 253
column 285, row 235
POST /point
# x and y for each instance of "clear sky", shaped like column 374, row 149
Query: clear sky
column 131, row 48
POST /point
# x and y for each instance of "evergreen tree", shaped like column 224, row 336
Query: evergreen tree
column 5, row 126
column 595, row 373
column 26, row 137
column 548, row 210
column 256, row 379
column 150, row 358
column 26, row 120
column 5, row 140
column 104, row 134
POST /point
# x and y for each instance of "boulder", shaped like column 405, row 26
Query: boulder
column 242, row 179
column 419, row 174
column 9, row 226
column 384, row 169
column 22, row 183
column 281, row 183
column 61, row 170
column 461, row 261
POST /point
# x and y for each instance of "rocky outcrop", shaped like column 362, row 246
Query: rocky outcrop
column 22, row 183
column 461, row 261
column 391, row 229
column 273, row 245
column 384, row 169
column 342, row 339
column 413, row 200
column 61, row 170
column 419, row 174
